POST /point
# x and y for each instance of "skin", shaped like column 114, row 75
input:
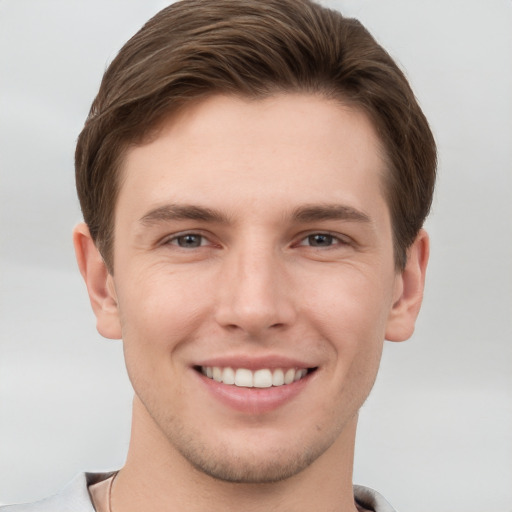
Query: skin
column 257, row 282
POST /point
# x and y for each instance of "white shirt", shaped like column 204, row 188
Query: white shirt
column 75, row 497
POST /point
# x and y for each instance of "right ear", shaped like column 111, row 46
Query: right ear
column 99, row 282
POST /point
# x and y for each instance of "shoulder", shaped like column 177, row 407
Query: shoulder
column 73, row 498
column 371, row 500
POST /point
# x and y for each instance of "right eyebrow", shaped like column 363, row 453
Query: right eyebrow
column 313, row 213
column 171, row 212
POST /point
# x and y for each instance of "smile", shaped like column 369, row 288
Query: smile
column 262, row 378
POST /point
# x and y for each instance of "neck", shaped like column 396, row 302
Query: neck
column 157, row 477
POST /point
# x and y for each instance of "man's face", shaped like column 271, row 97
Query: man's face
column 253, row 244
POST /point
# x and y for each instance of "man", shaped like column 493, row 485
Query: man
column 254, row 177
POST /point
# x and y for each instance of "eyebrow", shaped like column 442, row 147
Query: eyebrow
column 171, row 212
column 313, row 213
column 302, row 214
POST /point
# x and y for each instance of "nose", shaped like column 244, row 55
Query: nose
column 254, row 294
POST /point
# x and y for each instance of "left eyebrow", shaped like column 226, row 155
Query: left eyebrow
column 172, row 212
column 313, row 213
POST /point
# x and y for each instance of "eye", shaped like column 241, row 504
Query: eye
column 322, row 240
column 188, row 240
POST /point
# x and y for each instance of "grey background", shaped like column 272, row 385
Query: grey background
column 436, row 433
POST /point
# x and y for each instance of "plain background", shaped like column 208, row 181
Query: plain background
column 436, row 433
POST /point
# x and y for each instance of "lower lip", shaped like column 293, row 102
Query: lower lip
column 254, row 400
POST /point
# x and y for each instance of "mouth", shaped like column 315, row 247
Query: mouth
column 260, row 378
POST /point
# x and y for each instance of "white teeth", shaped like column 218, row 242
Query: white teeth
column 299, row 374
column 243, row 378
column 278, row 377
column 263, row 378
column 217, row 374
column 289, row 376
column 228, row 376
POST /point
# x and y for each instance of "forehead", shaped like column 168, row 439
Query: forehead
column 296, row 148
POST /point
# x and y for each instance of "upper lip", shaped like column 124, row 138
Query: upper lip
column 255, row 362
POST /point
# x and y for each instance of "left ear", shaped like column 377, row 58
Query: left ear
column 410, row 283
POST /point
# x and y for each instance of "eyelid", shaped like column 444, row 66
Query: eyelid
column 340, row 238
column 168, row 239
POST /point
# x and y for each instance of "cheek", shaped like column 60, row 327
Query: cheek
column 350, row 312
column 158, row 317
column 159, row 309
column 352, row 302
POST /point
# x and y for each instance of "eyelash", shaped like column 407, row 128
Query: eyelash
column 174, row 240
column 335, row 240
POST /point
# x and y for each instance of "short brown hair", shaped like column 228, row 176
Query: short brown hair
column 196, row 48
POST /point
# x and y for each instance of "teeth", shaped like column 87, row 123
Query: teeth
column 228, row 376
column 243, row 378
column 289, row 376
column 263, row 378
column 299, row 374
column 217, row 374
column 278, row 377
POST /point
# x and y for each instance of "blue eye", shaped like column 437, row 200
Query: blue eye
column 321, row 240
column 188, row 241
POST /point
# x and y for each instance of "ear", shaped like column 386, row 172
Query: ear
column 409, row 286
column 99, row 282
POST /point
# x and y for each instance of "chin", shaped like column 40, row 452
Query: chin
column 258, row 458
column 261, row 468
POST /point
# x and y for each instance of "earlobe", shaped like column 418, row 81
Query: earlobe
column 409, row 285
column 99, row 282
